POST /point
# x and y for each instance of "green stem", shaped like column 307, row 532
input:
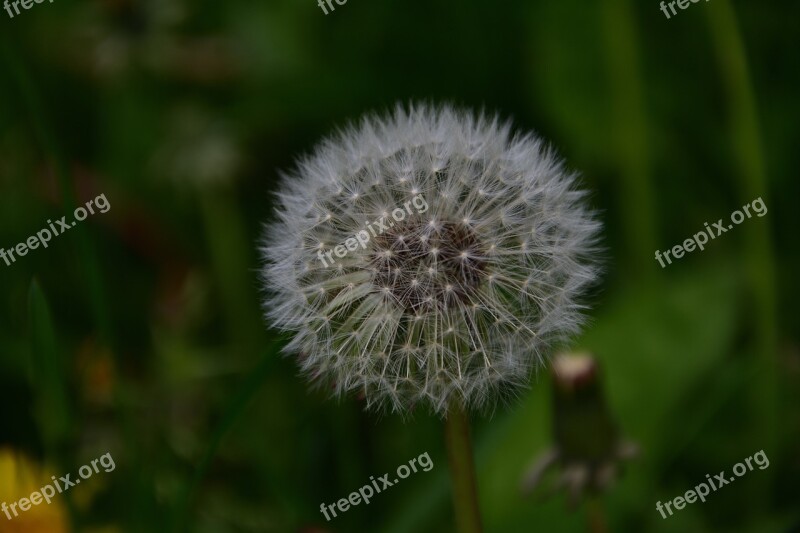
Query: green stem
column 595, row 515
column 748, row 160
column 462, row 471
column 629, row 134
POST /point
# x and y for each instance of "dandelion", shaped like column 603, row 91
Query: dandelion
column 458, row 303
column 452, row 307
column 19, row 478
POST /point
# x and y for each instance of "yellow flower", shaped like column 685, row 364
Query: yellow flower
column 20, row 478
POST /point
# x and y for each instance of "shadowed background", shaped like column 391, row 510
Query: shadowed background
column 138, row 332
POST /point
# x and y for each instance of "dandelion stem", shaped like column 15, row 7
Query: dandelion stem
column 462, row 471
column 595, row 515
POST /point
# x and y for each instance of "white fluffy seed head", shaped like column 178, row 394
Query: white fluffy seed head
column 455, row 303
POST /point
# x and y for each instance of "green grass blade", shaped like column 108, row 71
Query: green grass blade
column 48, row 374
column 747, row 154
column 30, row 98
column 235, row 408
column 631, row 147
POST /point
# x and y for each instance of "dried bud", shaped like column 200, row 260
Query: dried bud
column 588, row 450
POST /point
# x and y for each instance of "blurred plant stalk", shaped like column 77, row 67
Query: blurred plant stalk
column 748, row 161
column 629, row 143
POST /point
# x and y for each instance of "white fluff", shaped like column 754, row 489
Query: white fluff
column 454, row 305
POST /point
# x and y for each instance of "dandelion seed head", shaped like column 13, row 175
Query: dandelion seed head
column 458, row 303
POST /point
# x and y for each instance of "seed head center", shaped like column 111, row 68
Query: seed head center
column 427, row 266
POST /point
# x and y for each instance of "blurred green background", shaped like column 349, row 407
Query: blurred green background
column 139, row 333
